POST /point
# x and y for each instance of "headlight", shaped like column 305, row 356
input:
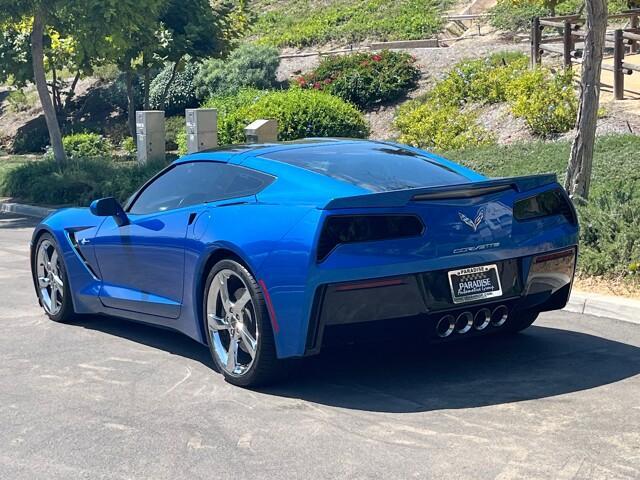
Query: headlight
column 551, row 202
column 340, row 229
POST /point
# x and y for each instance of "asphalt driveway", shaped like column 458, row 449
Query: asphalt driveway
column 104, row 398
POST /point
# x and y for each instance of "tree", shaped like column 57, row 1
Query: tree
column 196, row 29
column 91, row 26
column 578, row 178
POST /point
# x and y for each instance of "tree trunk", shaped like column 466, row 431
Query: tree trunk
column 72, row 89
column 131, row 103
column 37, row 52
column 165, row 90
column 579, row 171
column 147, row 81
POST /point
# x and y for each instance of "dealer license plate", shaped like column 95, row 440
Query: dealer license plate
column 475, row 283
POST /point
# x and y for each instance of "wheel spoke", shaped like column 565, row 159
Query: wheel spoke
column 224, row 293
column 217, row 323
column 43, row 282
column 232, row 353
column 242, row 302
column 57, row 280
column 248, row 341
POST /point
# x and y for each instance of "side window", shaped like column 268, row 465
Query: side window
column 198, row 182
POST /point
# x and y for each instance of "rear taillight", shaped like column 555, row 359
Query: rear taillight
column 551, row 202
column 341, row 229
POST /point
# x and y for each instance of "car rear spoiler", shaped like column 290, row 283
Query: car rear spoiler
column 398, row 198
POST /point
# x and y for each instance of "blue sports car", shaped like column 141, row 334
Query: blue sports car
column 267, row 252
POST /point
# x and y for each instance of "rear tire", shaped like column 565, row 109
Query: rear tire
column 50, row 279
column 238, row 326
column 521, row 321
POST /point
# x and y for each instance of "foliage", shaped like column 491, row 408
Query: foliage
column 443, row 119
column 182, row 93
column 516, row 15
column 430, row 126
column 437, row 121
column 129, row 147
column 300, row 23
column 364, row 79
column 78, row 183
column 173, row 128
column 300, row 113
column 548, row 103
column 247, row 66
column 82, row 146
column 610, row 221
column 21, row 100
column 482, row 80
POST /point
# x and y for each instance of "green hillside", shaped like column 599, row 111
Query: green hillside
column 300, row 23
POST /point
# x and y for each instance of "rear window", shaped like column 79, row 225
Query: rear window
column 376, row 167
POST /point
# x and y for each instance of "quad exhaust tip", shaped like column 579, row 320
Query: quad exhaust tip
column 482, row 319
column 465, row 321
column 499, row 316
column 445, row 326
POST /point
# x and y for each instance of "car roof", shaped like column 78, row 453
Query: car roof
column 308, row 177
column 227, row 152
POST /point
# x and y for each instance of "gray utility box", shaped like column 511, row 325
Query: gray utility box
column 262, row 131
column 150, row 133
column 202, row 129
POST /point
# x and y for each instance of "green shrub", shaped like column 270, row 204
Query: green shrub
column 610, row 233
column 482, row 81
column 300, row 23
column 439, row 127
column 300, row 113
column 516, row 15
column 182, row 92
column 247, row 66
column 82, row 146
column 364, row 79
column 547, row 102
column 78, row 183
column 20, row 101
column 173, row 127
column 129, row 147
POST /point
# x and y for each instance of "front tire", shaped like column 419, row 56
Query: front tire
column 237, row 323
column 51, row 281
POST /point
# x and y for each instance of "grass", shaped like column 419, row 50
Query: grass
column 300, row 23
column 7, row 164
column 615, row 162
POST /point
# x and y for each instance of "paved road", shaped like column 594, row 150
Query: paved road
column 108, row 399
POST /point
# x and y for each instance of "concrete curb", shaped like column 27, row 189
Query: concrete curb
column 618, row 308
column 25, row 210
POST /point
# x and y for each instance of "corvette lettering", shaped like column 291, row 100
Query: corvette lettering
column 476, row 248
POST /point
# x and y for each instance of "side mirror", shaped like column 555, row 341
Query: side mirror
column 109, row 207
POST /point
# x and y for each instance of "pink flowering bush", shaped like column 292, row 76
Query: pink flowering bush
column 364, row 79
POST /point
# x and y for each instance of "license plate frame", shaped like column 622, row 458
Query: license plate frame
column 476, row 288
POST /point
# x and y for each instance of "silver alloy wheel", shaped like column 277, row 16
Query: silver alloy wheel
column 231, row 322
column 49, row 277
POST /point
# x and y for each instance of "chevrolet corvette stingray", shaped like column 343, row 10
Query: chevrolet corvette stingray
column 268, row 252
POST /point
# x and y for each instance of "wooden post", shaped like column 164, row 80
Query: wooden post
column 567, row 43
column 633, row 23
column 618, row 59
column 536, row 34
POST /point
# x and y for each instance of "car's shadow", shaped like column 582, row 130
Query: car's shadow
column 395, row 377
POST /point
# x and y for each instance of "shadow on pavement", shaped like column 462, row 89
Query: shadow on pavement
column 541, row 362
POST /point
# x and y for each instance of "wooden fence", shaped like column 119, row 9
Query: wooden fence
column 569, row 33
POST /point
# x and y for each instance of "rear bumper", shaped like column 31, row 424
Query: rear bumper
column 368, row 309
